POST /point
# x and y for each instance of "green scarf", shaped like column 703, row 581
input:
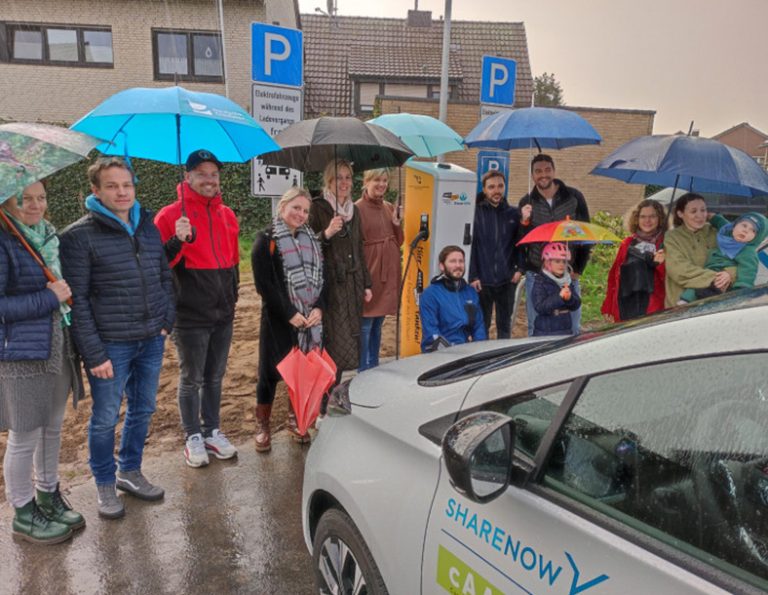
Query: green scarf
column 42, row 237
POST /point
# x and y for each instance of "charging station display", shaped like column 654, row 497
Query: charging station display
column 439, row 210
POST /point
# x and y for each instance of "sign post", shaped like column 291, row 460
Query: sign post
column 277, row 98
column 497, row 85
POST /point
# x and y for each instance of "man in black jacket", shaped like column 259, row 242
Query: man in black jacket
column 551, row 200
column 122, row 310
column 496, row 265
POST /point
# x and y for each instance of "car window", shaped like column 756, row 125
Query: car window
column 678, row 451
column 532, row 412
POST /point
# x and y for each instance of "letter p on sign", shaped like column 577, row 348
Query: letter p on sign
column 497, row 86
column 271, row 42
column 277, row 55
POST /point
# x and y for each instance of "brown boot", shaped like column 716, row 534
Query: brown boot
column 263, row 437
column 293, row 429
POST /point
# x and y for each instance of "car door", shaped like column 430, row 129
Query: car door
column 648, row 479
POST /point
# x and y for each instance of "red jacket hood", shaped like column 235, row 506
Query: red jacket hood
column 193, row 197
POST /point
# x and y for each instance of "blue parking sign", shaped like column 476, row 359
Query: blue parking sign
column 277, row 55
column 498, row 81
column 492, row 160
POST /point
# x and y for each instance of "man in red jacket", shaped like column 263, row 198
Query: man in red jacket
column 200, row 237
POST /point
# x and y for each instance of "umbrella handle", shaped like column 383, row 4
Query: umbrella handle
column 17, row 234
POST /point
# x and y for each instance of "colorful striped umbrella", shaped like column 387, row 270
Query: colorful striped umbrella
column 569, row 230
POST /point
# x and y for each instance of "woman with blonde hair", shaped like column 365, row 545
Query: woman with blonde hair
column 382, row 238
column 288, row 272
column 336, row 219
column 38, row 370
column 636, row 279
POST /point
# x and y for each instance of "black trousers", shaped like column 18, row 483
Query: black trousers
column 502, row 297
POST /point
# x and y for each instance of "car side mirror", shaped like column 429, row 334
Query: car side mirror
column 477, row 451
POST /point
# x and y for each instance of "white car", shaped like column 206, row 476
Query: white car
column 632, row 460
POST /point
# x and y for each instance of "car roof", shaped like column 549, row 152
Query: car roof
column 671, row 332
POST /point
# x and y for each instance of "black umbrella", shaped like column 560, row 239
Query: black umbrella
column 310, row 145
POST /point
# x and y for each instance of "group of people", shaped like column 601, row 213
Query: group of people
column 328, row 271
column 655, row 268
column 105, row 294
column 455, row 311
column 107, row 291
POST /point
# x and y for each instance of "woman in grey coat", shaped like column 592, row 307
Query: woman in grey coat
column 38, row 370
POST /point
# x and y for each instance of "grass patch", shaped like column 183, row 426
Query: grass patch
column 595, row 278
column 246, row 245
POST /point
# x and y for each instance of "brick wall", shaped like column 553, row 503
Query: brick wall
column 63, row 94
column 573, row 164
column 744, row 137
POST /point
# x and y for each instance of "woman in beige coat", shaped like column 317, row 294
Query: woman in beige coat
column 382, row 238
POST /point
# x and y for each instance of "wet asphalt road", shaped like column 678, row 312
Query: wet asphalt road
column 232, row 527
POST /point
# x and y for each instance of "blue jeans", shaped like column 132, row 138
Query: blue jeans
column 136, row 366
column 370, row 342
column 530, row 311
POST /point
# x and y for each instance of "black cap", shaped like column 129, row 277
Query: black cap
column 200, row 156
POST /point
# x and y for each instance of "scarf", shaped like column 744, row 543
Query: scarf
column 564, row 281
column 651, row 237
column 347, row 210
column 728, row 246
column 94, row 204
column 42, row 237
column 303, row 268
column 376, row 201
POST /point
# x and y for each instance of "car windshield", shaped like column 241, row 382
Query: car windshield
column 488, row 361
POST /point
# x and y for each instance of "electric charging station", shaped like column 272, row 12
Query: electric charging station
column 440, row 201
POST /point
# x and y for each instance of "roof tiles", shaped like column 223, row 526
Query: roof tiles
column 381, row 49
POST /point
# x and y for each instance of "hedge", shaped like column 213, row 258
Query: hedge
column 156, row 187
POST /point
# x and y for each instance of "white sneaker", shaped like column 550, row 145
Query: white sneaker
column 218, row 445
column 194, row 452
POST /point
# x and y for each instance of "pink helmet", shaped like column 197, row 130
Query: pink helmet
column 555, row 251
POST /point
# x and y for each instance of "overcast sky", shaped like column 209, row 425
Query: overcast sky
column 700, row 60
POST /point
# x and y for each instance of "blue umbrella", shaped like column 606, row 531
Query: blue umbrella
column 544, row 127
column 424, row 135
column 167, row 124
column 687, row 162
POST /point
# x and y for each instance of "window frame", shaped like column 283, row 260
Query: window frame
column 10, row 27
column 189, row 35
column 432, row 88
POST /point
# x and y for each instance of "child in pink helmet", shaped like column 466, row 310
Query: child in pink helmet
column 554, row 296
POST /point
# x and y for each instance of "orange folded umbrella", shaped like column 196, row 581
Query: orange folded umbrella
column 308, row 377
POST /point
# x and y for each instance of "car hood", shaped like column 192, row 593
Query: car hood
column 399, row 379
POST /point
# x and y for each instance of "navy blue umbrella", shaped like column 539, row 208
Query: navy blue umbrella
column 544, row 127
column 688, row 163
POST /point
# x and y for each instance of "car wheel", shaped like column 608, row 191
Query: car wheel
column 343, row 564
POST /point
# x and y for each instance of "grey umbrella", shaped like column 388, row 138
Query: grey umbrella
column 310, row 144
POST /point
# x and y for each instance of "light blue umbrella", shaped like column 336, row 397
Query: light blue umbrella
column 544, row 127
column 424, row 135
column 689, row 163
column 167, row 124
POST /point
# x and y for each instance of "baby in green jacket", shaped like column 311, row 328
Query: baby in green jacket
column 737, row 244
